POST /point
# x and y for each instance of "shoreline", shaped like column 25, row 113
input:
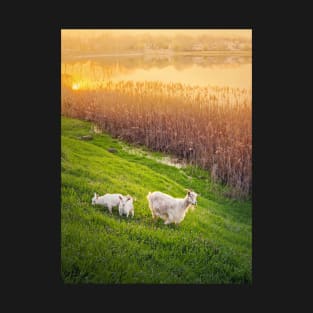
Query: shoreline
column 80, row 55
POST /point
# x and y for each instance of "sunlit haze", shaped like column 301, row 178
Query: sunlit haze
column 243, row 33
column 91, row 57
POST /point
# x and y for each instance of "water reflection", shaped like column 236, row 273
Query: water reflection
column 233, row 70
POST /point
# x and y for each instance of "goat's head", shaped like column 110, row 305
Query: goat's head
column 124, row 200
column 192, row 197
column 94, row 199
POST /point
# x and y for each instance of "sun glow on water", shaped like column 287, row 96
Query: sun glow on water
column 75, row 86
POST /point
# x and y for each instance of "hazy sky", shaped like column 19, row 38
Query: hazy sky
column 244, row 33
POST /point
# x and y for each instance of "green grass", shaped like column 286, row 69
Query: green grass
column 212, row 245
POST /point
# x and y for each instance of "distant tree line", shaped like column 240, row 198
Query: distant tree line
column 110, row 43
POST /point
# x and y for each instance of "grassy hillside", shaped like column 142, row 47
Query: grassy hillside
column 213, row 244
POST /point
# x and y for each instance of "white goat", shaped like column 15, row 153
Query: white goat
column 171, row 210
column 126, row 206
column 108, row 200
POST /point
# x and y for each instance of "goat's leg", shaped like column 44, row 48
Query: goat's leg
column 169, row 218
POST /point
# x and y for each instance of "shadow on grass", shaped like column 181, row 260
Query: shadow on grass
column 141, row 220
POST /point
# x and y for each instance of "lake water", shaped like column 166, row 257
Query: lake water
column 88, row 71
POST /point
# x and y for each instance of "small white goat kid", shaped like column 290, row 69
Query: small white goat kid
column 108, row 200
column 171, row 210
column 126, row 206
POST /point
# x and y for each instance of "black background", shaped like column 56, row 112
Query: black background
column 32, row 242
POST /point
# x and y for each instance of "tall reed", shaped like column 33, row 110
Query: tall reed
column 210, row 127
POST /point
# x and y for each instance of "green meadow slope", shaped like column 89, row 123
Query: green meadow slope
column 212, row 245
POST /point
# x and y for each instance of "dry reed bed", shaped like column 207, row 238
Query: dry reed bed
column 210, row 127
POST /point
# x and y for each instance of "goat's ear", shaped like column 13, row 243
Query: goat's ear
column 128, row 197
column 189, row 192
column 120, row 197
